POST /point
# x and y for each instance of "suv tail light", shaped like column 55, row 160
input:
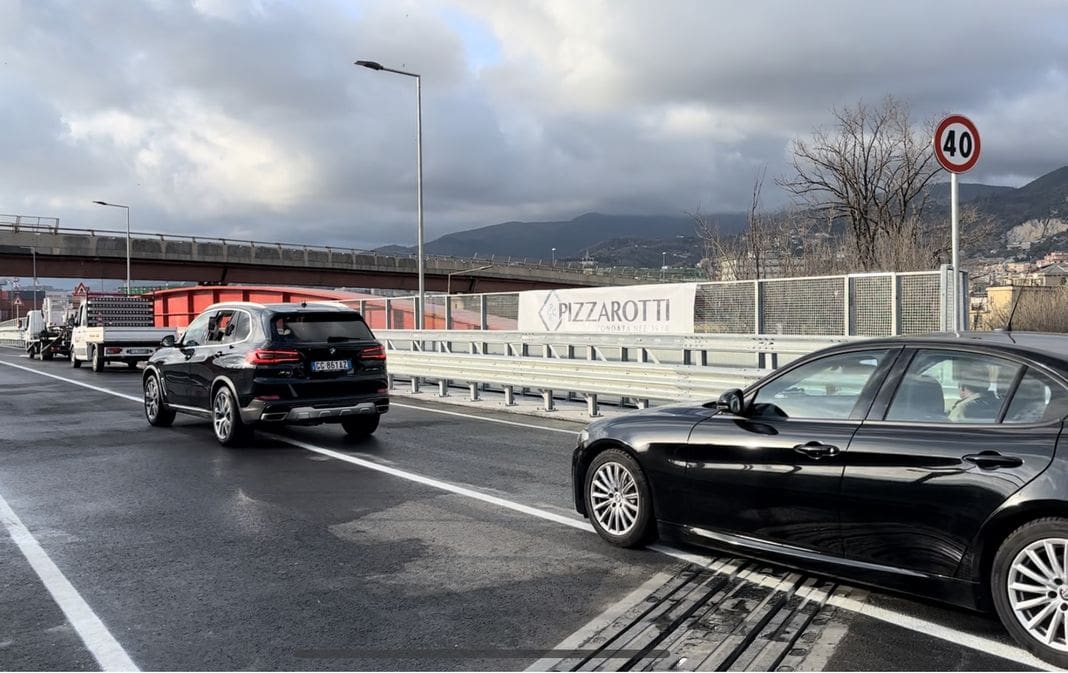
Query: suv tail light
column 266, row 356
column 373, row 353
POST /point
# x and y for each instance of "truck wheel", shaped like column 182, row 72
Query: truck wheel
column 74, row 361
column 360, row 426
column 31, row 351
column 156, row 410
column 47, row 354
column 98, row 359
column 226, row 421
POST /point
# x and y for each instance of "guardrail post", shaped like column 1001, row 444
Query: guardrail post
column 643, row 404
column 443, row 388
column 389, row 382
column 389, row 315
column 591, row 405
column 474, row 391
column 547, row 399
column 484, row 311
column 509, row 396
column 415, row 385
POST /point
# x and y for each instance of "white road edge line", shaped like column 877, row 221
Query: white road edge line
column 947, row 633
column 483, row 418
column 132, row 398
column 98, row 640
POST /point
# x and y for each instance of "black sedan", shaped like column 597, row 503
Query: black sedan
column 928, row 465
column 244, row 364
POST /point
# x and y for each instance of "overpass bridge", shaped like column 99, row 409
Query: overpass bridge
column 99, row 253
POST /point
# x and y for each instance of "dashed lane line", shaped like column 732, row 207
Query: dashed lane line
column 952, row 635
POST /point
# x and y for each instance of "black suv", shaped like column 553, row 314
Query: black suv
column 241, row 364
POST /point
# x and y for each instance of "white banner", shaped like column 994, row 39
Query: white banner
column 629, row 309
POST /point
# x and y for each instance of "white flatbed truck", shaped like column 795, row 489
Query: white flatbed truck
column 114, row 328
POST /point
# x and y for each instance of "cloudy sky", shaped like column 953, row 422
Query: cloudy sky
column 247, row 118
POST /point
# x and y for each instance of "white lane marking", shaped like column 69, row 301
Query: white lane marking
column 435, row 483
column 90, row 386
column 970, row 640
column 602, row 621
column 950, row 634
column 484, row 418
column 98, row 640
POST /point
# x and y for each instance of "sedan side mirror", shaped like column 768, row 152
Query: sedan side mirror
column 731, row 401
column 167, row 341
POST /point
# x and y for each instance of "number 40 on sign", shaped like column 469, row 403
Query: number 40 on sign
column 957, row 144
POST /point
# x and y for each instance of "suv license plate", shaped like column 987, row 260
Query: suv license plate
column 331, row 365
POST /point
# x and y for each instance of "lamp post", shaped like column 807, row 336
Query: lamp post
column 554, row 256
column 117, row 205
column 374, row 65
column 448, row 285
column 35, row 274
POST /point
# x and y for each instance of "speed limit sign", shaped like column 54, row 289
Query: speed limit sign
column 956, row 144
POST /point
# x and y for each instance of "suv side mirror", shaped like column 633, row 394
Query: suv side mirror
column 731, row 401
column 167, row 341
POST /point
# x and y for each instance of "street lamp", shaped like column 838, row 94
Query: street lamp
column 374, row 65
column 448, row 285
column 554, row 256
column 117, row 205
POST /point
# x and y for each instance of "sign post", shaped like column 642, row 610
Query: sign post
column 956, row 147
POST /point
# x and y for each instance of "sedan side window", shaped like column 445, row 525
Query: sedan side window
column 949, row 387
column 1037, row 399
column 828, row 388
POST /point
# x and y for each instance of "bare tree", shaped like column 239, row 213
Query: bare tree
column 870, row 171
column 1033, row 309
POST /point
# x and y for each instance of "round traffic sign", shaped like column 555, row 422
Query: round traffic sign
column 956, row 144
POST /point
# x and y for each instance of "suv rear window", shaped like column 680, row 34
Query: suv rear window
column 319, row 327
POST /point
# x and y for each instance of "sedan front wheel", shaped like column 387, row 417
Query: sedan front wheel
column 618, row 501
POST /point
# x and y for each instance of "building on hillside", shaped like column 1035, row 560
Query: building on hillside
column 1056, row 257
column 1000, row 298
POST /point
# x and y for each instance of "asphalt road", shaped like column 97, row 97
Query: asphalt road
column 464, row 553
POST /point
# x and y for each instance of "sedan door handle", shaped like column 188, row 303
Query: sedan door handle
column 991, row 460
column 816, row 450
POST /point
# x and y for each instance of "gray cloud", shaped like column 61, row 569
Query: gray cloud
column 249, row 119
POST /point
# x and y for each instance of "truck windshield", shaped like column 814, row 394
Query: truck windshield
column 319, row 327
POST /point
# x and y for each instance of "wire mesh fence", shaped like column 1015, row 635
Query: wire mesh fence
column 869, row 305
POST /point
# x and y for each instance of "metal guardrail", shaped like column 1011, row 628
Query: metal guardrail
column 630, row 367
column 628, row 380
column 11, row 333
column 760, row 351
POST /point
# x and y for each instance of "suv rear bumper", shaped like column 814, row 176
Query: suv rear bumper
column 312, row 412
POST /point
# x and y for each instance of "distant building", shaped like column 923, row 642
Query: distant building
column 1057, row 257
